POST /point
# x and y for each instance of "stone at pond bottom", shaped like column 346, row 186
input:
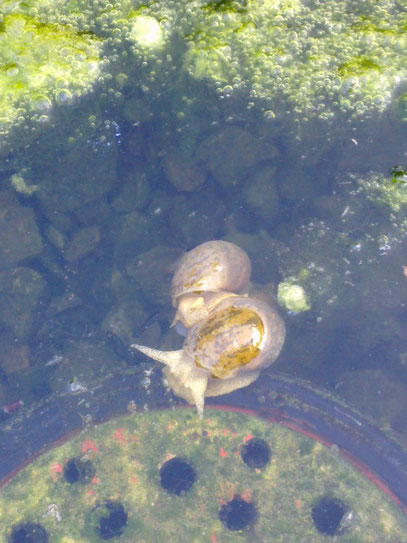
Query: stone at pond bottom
column 260, row 194
column 20, row 292
column 228, row 154
column 13, row 356
column 183, row 173
column 83, row 242
column 153, row 271
column 19, row 235
column 196, row 218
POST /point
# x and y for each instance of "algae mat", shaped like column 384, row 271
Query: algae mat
column 168, row 476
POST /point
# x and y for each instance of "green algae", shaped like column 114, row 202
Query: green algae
column 42, row 64
column 128, row 452
column 304, row 60
column 388, row 192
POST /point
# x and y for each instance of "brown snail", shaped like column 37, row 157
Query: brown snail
column 205, row 274
column 230, row 339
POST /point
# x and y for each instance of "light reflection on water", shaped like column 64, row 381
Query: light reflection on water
column 115, row 200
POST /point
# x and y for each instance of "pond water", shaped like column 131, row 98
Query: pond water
column 166, row 130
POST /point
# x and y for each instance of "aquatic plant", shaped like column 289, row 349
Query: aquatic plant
column 311, row 58
column 53, row 54
column 292, row 296
column 388, row 192
column 41, row 64
column 304, row 60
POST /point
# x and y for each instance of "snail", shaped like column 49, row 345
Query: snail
column 203, row 276
column 230, row 337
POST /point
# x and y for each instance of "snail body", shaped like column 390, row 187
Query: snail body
column 230, row 337
column 239, row 337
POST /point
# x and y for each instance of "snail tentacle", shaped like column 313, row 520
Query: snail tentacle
column 181, row 369
column 165, row 357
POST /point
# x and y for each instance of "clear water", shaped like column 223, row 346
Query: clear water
column 109, row 191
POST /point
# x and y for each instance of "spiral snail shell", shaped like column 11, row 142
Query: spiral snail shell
column 204, row 275
column 231, row 338
column 212, row 266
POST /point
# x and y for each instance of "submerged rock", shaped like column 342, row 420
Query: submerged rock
column 228, row 154
column 83, row 242
column 153, row 271
column 20, row 292
column 19, row 235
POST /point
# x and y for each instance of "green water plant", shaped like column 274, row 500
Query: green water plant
column 306, row 61
column 42, row 64
column 309, row 59
column 292, row 296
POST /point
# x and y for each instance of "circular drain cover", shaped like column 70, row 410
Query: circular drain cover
column 164, row 475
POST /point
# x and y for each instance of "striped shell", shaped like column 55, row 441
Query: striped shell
column 240, row 333
column 212, row 266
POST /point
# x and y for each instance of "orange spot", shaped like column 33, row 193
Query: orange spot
column 234, row 434
column 92, row 492
column 223, row 453
column 56, row 468
column 298, row 504
column 208, row 421
column 225, row 432
column 95, row 480
column 133, row 479
column 89, row 445
column 247, row 496
column 171, row 425
column 119, row 437
column 405, row 271
column 249, row 436
column 213, row 537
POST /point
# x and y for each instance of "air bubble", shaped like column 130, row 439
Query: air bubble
column 12, row 72
column 41, row 103
column 121, row 79
column 269, row 115
column 63, row 96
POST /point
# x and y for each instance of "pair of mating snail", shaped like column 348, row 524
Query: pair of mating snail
column 230, row 337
